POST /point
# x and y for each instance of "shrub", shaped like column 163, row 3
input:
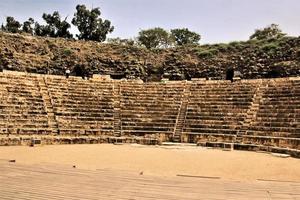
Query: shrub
column 270, row 48
column 67, row 52
column 207, row 53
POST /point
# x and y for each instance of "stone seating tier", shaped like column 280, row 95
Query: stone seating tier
column 248, row 113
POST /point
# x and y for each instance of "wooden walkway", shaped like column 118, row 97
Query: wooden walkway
column 47, row 182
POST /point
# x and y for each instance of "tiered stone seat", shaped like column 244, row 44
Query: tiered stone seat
column 277, row 121
column 82, row 107
column 22, row 109
column 216, row 110
column 262, row 114
column 150, row 108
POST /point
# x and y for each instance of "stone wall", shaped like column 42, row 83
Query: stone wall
column 254, row 59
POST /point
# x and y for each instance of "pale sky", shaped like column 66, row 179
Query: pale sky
column 215, row 20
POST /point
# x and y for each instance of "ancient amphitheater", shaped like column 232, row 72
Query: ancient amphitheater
column 256, row 115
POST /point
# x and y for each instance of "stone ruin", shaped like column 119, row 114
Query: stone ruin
column 261, row 114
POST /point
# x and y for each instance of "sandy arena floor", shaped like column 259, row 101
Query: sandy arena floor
column 161, row 161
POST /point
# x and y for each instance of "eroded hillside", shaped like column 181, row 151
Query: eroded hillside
column 254, row 58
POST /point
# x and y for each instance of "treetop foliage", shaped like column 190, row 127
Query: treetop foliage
column 55, row 27
column 269, row 32
column 90, row 25
column 28, row 26
column 184, row 36
column 155, row 38
column 12, row 25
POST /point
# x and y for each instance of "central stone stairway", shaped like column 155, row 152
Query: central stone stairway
column 117, row 110
column 251, row 113
column 52, row 122
column 182, row 114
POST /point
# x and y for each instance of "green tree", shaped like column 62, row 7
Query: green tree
column 12, row 25
column 90, row 25
column 55, row 27
column 28, row 26
column 184, row 36
column 269, row 32
column 155, row 38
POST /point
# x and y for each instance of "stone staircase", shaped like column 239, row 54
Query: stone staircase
column 117, row 110
column 251, row 113
column 182, row 114
column 52, row 122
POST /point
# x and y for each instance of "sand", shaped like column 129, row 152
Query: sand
column 195, row 161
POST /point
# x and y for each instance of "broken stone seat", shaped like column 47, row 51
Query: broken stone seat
column 282, row 93
column 28, row 126
column 87, row 109
column 144, row 92
column 30, row 97
column 152, row 108
column 92, row 99
column 232, row 113
column 148, row 128
column 22, row 121
column 80, row 100
column 275, row 119
column 168, row 123
column 148, row 102
column 27, row 131
column 82, row 83
column 275, row 123
column 151, row 125
column 88, row 132
column 216, row 121
column 85, row 115
column 278, row 114
column 100, row 101
column 209, row 130
column 65, row 86
column 273, row 133
column 282, row 142
column 272, row 129
column 80, row 125
column 227, row 95
column 280, row 106
column 79, row 91
column 280, row 100
column 217, row 110
column 145, row 132
column 213, row 118
column 198, row 105
column 86, row 120
column 212, row 126
column 147, row 95
column 222, row 91
column 84, row 110
column 80, row 94
column 26, row 112
column 202, row 138
column 219, row 103
column 147, row 116
column 149, row 119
